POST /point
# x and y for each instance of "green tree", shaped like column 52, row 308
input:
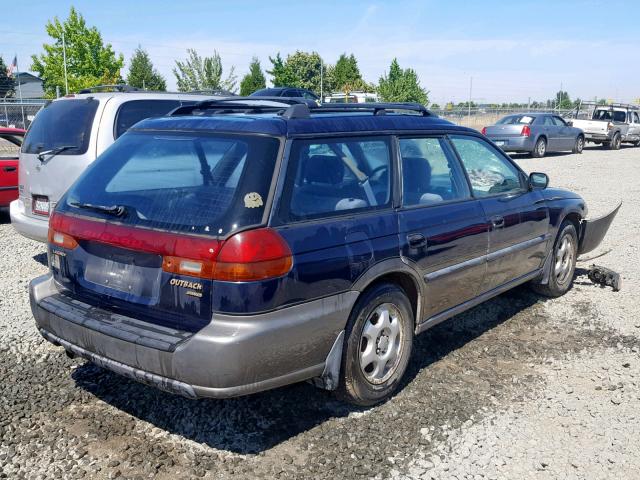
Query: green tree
column 563, row 101
column 300, row 69
column 203, row 73
column 7, row 83
column 401, row 86
column 142, row 74
column 254, row 80
column 345, row 76
column 90, row 62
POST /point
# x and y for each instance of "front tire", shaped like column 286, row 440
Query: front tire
column 579, row 145
column 563, row 262
column 540, row 149
column 378, row 344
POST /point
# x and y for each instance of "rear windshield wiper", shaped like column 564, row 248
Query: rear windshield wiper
column 115, row 210
column 54, row 151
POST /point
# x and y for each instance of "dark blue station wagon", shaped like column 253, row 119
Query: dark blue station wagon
column 237, row 246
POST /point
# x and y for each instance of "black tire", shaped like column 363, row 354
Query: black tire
column 355, row 385
column 579, row 145
column 560, row 280
column 540, row 149
column 615, row 142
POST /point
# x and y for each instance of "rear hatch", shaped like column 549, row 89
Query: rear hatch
column 55, row 151
column 142, row 228
column 510, row 126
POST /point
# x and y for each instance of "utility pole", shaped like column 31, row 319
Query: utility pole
column 24, row 125
column 321, row 81
column 470, row 93
column 64, row 61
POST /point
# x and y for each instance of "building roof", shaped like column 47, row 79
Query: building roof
column 26, row 77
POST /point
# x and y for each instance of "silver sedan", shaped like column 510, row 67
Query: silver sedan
column 536, row 133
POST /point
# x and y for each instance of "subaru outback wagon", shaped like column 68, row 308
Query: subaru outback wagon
column 233, row 247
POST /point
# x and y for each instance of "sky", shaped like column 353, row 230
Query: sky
column 495, row 51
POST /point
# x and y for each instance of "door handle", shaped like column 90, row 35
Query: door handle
column 9, row 169
column 497, row 222
column 416, row 240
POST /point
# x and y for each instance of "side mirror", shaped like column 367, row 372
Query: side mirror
column 538, row 180
column 570, row 123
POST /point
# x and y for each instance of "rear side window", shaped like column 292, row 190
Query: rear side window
column 132, row 112
column 331, row 177
column 63, row 123
column 489, row 172
column 200, row 184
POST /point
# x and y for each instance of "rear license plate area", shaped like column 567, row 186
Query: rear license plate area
column 500, row 143
column 40, row 205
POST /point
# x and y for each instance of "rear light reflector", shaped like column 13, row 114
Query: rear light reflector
column 185, row 266
column 484, row 130
column 62, row 239
column 526, row 131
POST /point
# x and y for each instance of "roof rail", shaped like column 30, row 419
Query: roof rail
column 213, row 91
column 118, row 88
column 630, row 106
column 241, row 105
column 377, row 108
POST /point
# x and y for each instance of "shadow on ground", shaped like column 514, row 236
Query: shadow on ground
column 259, row 422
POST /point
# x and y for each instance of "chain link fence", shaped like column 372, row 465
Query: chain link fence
column 19, row 114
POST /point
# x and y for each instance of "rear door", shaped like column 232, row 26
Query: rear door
column 518, row 217
column 442, row 229
column 9, row 149
column 552, row 132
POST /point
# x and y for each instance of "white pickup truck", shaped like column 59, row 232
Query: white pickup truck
column 609, row 125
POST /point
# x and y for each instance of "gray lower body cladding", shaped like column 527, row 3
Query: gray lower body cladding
column 233, row 355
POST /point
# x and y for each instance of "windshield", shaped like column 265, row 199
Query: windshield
column 516, row 120
column 62, row 123
column 177, row 181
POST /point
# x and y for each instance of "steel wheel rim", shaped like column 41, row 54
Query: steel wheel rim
column 564, row 259
column 541, row 148
column 381, row 343
column 580, row 145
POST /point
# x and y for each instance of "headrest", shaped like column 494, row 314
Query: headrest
column 327, row 169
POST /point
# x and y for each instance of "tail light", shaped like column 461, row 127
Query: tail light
column 526, row 131
column 484, row 130
column 246, row 256
column 609, row 126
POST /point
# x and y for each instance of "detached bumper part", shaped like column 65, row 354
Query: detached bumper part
column 594, row 231
column 605, row 277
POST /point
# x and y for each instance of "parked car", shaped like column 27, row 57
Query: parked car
column 535, row 133
column 610, row 125
column 10, row 141
column 66, row 136
column 351, row 97
column 227, row 253
column 290, row 92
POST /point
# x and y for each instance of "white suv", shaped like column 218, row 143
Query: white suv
column 66, row 136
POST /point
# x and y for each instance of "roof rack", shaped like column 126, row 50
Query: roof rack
column 629, row 106
column 118, row 88
column 241, row 105
column 377, row 108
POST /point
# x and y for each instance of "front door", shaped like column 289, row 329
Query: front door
column 518, row 218
column 566, row 138
column 442, row 229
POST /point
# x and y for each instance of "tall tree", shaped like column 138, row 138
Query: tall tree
column 279, row 73
column 142, row 74
column 563, row 101
column 345, row 76
column 7, row 83
column 203, row 73
column 300, row 69
column 401, row 86
column 254, row 80
column 90, row 62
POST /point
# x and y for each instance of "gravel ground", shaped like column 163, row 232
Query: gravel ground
column 519, row 387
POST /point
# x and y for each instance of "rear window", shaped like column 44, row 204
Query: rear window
column 62, row 123
column 267, row 92
column 132, row 112
column 181, row 182
column 616, row 116
column 516, row 120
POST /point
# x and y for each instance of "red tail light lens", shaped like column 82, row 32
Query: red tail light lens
column 526, row 131
column 253, row 255
column 484, row 130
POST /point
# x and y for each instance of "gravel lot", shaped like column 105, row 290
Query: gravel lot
column 519, row 387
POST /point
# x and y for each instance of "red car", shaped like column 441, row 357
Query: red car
column 10, row 141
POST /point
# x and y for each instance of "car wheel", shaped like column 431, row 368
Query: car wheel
column 540, row 148
column 563, row 262
column 579, row 146
column 615, row 142
column 378, row 343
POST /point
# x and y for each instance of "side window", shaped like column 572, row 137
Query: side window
column 548, row 122
column 636, row 118
column 132, row 112
column 489, row 172
column 334, row 176
column 559, row 122
column 429, row 176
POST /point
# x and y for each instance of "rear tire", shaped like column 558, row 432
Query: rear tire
column 563, row 263
column 540, row 148
column 615, row 142
column 378, row 344
column 579, row 145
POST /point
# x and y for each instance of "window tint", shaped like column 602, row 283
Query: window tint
column 195, row 183
column 332, row 176
column 62, row 123
column 132, row 112
column 559, row 122
column 429, row 176
column 548, row 121
column 489, row 172
column 516, row 120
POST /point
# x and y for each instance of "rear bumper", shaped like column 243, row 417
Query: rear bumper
column 596, row 137
column 594, row 231
column 30, row 227
column 514, row 144
column 232, row 356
